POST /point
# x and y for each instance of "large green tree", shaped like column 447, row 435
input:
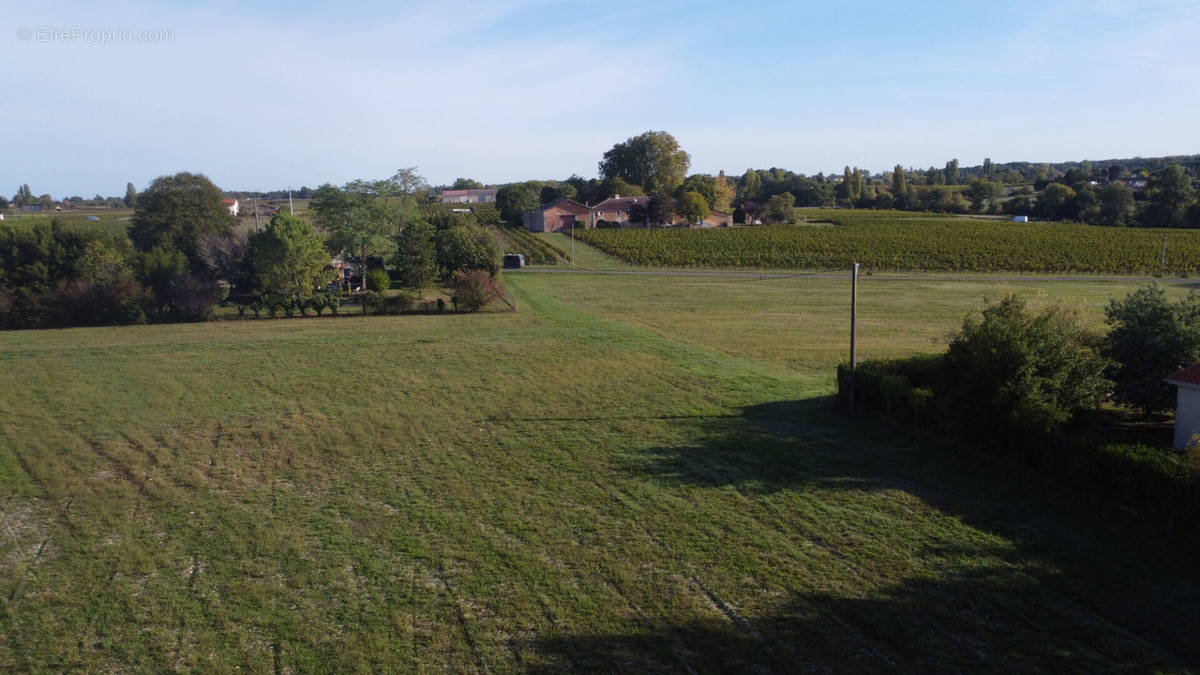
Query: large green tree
column 416, row 255
column 1169, row 195
column 750, row 186
column 1056, row 201
column 982, row 193
column 130, row 199
column 515, row 199
column 693, row 206
column 951, row 172
column 175, row 212
column 780, row 208
column 466, row 184
column 652, row 160
column 1149, row 339
column 364, row 217
column 723, row 193
column 289, row 257
column 1116, row 204
column 466, row 247
column 899, row 182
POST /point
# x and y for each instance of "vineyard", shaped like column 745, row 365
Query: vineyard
column 921, row 243
column 536, row 251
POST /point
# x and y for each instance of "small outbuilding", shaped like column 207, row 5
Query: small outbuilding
column 557, row 215
column 1020, row 219
column 1187, row 404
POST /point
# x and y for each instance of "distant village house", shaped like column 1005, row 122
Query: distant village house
column 616, row 209
column 557, row 215
column 232, row 205
column 485, row 196
column 563, row 213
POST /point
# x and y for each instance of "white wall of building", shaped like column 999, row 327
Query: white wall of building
column 1187, row 415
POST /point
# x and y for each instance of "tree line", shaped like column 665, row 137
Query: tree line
column 1157, row 192
column 183, row 254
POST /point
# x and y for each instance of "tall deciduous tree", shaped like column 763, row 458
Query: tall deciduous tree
column 416, row 255
column 779, row 208
column 1169, row 195
column 660, row 209
column 517, row 198
column 702, row 183
column 723, row 193
column 693, row 206
column 364, row 217
column 289, row 257
column 175, row 212
column 1056, row 201
column 899, row 186
column 982, row 193
column 652, row 160
column 750, row 186
column 951, row 172
column 466, row 184
column 1116, row 204
column 130, row 199
column 466, row 247
column 1150, row 339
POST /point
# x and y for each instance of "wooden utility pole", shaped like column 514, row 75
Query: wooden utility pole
column 853, row 331
column 256, row 227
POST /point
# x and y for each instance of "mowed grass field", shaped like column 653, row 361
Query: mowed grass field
column 640, row 473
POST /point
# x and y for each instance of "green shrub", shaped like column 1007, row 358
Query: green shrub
column 475, row 289
column 378, row 280
column 1013, row 375
column 373, row 303
column 397, row 304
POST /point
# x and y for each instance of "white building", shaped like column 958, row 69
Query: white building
column 232, row 205
column 1187, row 405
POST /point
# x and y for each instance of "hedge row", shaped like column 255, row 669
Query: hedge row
column 1159, row 484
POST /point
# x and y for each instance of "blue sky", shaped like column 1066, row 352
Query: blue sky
column 262, row 95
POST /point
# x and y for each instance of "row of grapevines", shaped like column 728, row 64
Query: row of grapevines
column 902, row 244
column 537, row 251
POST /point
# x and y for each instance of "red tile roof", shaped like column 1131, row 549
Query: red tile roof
column 564, row 203
column 1189, row 375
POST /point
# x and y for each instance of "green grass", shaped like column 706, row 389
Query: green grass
column 585, row 257
column 631, row 473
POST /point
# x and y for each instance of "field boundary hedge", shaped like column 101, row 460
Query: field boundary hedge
column 1157, row 483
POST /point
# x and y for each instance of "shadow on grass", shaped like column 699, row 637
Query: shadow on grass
column 995, row 619
column 1083, row 587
